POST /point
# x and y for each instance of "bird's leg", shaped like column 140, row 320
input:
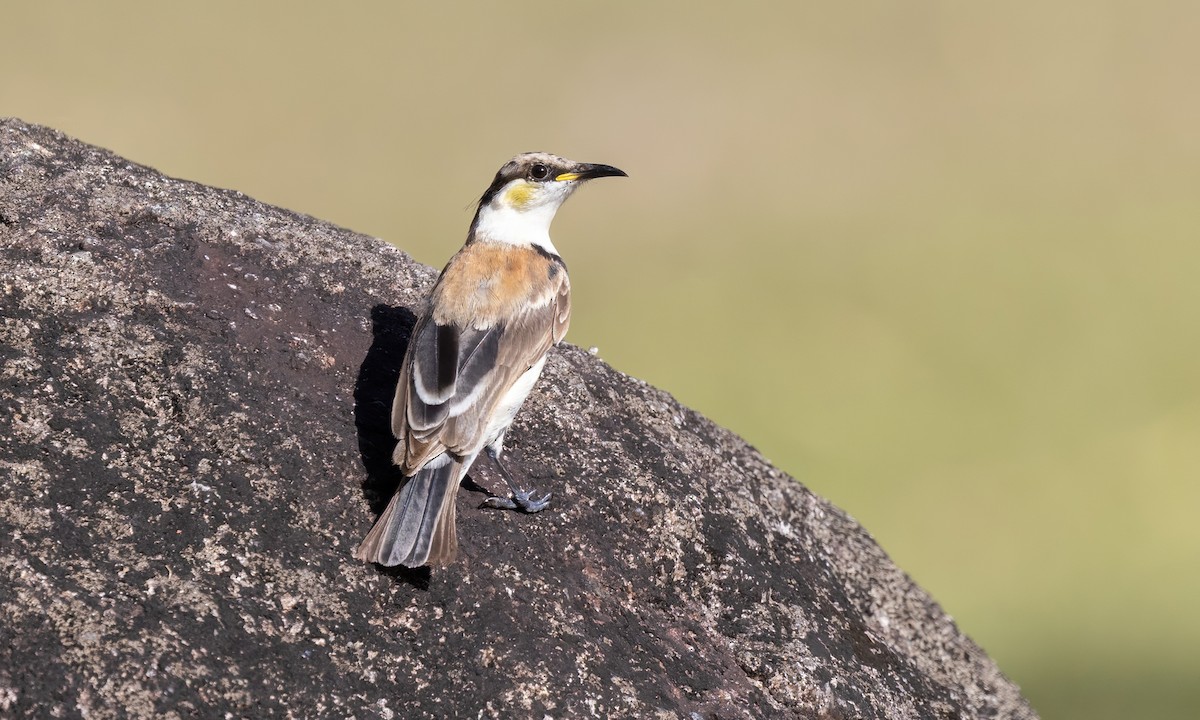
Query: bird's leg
column 520, row 499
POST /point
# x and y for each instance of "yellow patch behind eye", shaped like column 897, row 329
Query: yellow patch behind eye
column 519, row 195
column 567, row 177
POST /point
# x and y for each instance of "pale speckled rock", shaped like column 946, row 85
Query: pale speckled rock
column 193, row 398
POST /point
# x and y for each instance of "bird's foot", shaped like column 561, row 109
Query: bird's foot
column 519, row 501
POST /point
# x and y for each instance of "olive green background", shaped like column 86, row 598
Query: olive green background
column 938, row 260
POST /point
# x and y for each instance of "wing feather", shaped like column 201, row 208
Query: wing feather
column 454, row 376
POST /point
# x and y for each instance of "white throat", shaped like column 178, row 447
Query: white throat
column 521, row 213
column 531, row 226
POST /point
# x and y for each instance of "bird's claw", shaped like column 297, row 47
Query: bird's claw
column 519, row 501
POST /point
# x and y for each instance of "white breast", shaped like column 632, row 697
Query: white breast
column 508, row 406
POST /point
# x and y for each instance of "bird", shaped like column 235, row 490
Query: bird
column 476, row 351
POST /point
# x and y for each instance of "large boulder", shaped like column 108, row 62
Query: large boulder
column 193, row 436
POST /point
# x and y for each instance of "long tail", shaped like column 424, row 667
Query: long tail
column 417, row 528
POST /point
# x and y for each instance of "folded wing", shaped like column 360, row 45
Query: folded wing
column 455, row 376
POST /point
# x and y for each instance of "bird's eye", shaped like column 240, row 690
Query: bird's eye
column 539, row 172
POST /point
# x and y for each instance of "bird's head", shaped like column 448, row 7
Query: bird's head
column 522, row 199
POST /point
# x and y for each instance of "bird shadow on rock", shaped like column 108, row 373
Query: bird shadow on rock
column 374, row 391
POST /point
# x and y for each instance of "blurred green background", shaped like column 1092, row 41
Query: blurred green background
column 938, row 260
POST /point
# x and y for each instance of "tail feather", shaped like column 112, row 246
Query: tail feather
column 417, row 528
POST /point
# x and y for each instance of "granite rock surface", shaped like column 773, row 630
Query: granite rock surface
column 194, row 392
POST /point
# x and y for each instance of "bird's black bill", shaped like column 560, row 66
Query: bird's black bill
column 591, row 171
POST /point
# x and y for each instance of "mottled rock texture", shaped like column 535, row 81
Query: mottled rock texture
column 193, row 402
